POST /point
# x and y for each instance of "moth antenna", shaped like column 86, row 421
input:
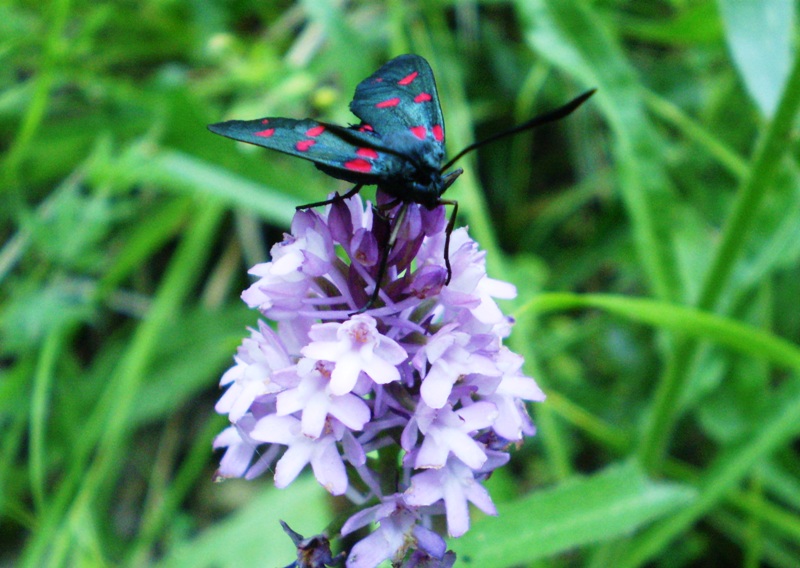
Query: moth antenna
column 550, row 116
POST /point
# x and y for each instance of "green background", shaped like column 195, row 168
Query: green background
column 653, row 236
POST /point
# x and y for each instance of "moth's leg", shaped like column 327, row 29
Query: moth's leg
column 387, row 250
column 347, row 195
column 451, row 223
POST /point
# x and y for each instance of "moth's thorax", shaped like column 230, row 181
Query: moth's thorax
column 420, row 179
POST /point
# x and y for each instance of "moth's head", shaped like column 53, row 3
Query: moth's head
column 427, row 190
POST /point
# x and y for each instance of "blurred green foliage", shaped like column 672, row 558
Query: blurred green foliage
column 653, row 237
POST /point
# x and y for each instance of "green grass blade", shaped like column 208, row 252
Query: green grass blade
column 575, row 513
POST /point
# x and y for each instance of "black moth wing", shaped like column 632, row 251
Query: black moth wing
column 400, row 97
column 344, row 153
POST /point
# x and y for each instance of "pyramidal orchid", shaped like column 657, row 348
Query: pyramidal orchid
column 420, row 382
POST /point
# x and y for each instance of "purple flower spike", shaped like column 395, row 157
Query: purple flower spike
column 424, row 371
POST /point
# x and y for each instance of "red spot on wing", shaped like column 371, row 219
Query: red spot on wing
column 422, row 98
column 358, row 165
column 408, row 78
column 315, row 131
column 394, row 101
column 419, row 131
column 266, row 133
column 367, row 153
column 365, row 128
column 304, row 145
column 438, row 133
column 377, row 80
column 265, row 121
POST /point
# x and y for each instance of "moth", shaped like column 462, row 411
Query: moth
column 398, row 145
